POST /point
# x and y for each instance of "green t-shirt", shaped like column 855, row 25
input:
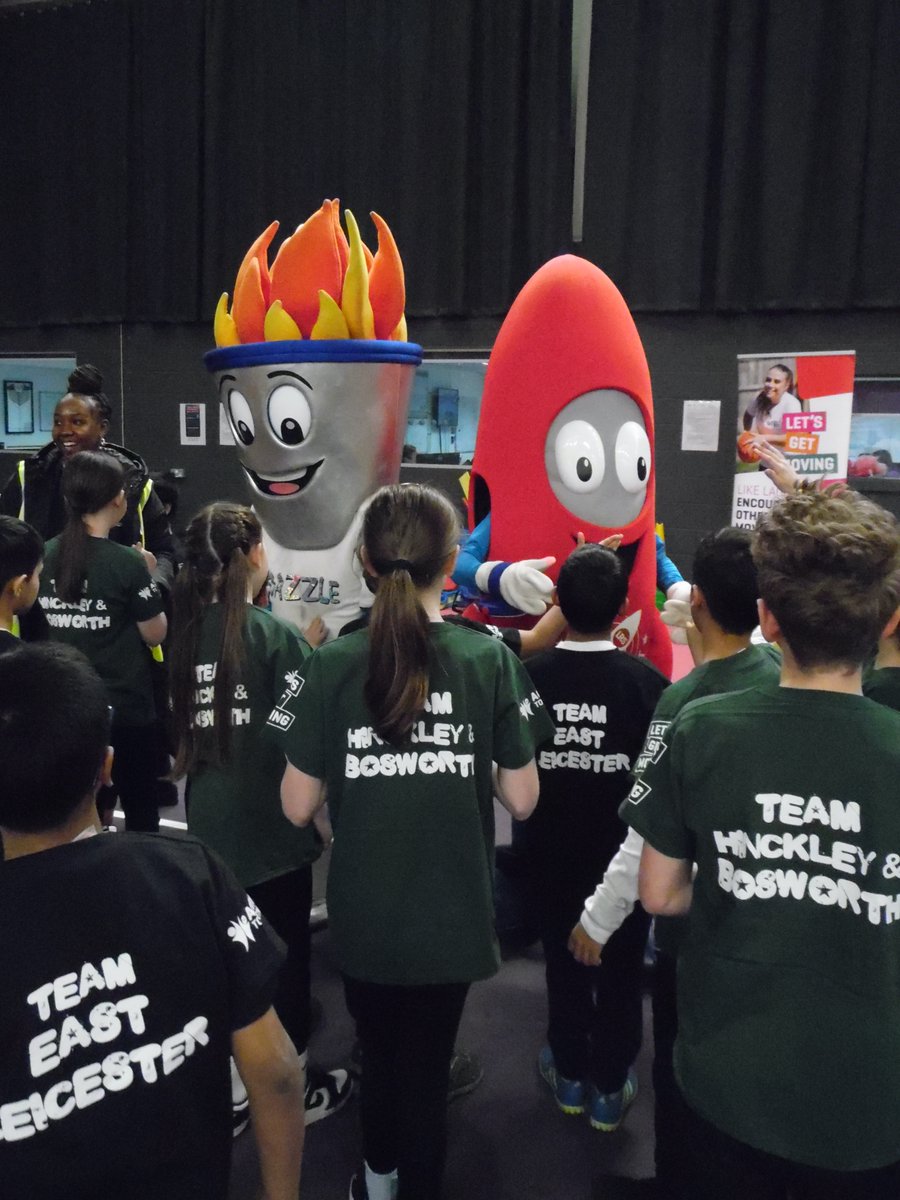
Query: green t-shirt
column 752, row 667
column 789, row 980
column 410, row 883
column 118, row 592
column 883, row 684
column 235, row 808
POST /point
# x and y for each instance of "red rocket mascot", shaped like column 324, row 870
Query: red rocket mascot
column 565, row 444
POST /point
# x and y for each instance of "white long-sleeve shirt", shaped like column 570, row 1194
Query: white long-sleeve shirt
column 614, row 897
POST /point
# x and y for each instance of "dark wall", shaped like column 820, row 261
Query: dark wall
column 150, row 369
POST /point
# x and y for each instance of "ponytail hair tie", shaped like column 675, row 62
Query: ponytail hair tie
column 397, row 564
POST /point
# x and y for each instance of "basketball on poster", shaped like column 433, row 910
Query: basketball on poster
column 799, row 403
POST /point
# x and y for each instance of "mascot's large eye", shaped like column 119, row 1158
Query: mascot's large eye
column 289, row 414
column 579, row 456
column 241, row 417
column 633, row 457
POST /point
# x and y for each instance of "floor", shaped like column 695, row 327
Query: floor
column 507, row 1139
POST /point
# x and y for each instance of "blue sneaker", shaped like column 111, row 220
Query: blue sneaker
column 568, row 1093
column 606, row 1109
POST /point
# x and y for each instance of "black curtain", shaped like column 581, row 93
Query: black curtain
column 450, row 119
column 745, row 154
column 151, row 140
column 742, row 154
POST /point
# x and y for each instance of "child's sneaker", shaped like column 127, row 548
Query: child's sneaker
column 326, row 1092
column 606, row 1109
column 568, row 1093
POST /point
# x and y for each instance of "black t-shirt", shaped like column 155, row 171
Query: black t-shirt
column 601, row 701
column 126, row 962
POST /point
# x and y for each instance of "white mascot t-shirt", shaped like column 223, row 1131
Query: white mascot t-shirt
column 328, row 583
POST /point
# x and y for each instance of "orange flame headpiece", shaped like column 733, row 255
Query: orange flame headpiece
column 323, row 284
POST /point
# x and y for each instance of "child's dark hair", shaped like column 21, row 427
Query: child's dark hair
column 216, row 545
column 725, row 573
column 54, row 730
column 591, row 588
column 408, row 534
column 90, row 481
column 87, row 381
column 829, row 570
column 21, row 549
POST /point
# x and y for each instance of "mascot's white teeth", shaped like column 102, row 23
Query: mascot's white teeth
column 284, row 487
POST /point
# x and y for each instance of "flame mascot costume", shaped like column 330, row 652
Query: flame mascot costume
column 565, row 444
column 314, row 373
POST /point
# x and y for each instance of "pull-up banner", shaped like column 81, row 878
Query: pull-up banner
column 800, row 403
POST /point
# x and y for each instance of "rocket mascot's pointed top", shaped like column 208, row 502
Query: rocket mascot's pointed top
column 565, row 440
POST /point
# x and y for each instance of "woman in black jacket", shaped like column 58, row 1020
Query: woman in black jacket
column 80, row 421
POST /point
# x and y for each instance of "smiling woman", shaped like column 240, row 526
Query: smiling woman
column 80, row 422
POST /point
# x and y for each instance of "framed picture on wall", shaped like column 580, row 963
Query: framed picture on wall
column 18, row 403
column 47, row 402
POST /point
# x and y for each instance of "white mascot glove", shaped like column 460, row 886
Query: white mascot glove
column 679, row 591
column 676, row 612
column 522, row 584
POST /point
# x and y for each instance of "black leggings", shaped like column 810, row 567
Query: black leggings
column 285, row 902
column 595, row 1014
column 406, row 1035
column 134, row 775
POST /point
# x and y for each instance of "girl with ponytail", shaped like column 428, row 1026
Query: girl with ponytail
column 98, row 596
column 401, row 723
column 231, row 663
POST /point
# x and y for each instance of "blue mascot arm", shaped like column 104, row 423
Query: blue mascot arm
column 666, row 571
column 473, row 553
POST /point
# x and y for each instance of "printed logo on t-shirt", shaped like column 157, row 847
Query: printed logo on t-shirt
column 443, row 746
column 279, row 717
column 240, row 930
column 77, row 615
column 654, row 746
column 73, row 1028
column 582, row 725
column 148, row 592
column 639, row 792
column 308, row 589
column 796, row 834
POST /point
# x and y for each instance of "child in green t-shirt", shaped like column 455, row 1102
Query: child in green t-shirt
column 230, row 663
column 21, row 558
column 785, row 798
column 401, row 722
column 98, row 597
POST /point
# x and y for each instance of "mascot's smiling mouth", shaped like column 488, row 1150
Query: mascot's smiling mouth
column 284, row 487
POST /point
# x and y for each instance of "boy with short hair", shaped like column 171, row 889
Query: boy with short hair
column 132, row 967
column 602, row 700
column 785, row 797
column 724, row 615
column 21, row 559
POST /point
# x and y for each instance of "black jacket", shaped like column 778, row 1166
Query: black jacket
column 45, row 508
